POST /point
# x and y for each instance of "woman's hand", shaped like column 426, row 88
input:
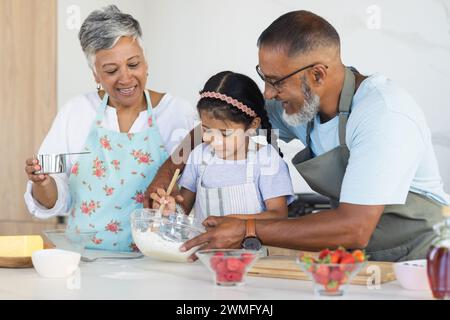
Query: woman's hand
column 32, row 165
column 44, row 188
column 160, row 197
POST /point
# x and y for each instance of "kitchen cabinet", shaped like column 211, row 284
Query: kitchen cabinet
column 28, row 102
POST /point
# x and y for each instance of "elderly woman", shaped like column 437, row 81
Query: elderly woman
column 125, row 130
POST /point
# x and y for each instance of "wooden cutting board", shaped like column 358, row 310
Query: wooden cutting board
column 287, row 268
column 20, row 262
column 16, row 262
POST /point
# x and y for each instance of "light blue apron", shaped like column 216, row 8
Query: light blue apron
column 109, row 183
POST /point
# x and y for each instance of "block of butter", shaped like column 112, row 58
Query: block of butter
column 20, row 246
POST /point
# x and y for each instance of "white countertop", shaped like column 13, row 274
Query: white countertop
column 150, row 279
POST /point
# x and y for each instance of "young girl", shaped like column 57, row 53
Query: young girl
column 230, row 174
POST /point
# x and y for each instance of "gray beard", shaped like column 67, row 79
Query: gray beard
column 308, row 110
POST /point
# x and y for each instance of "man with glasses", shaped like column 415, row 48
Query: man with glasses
column 368, row 148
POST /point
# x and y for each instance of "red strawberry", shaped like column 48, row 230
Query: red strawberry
column 337, row 274
column 320, row 279
column 234, row 276
column 215, row 260
column 335, row 257
column 324, row 253
column 348, row 259
column 323, row 270
column 347, row 262
column 247, row 258
column 359, row 256
column 221, row 267
column 221, row 277
column 228, row 276
column 234, row 264
column 332, row 286
column 321, row 274
column 341, row 251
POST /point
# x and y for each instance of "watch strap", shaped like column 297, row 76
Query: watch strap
column 250, row 228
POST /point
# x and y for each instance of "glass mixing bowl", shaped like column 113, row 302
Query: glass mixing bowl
column 70, row 240
column 161, row 237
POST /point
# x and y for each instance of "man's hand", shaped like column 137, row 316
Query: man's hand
column 222, row 233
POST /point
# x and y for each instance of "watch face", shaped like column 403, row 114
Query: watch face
column 252, row 243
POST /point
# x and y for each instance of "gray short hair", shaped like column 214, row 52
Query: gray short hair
column 103, row 28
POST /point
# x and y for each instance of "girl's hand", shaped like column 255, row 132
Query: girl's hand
column 159, row 198
column 32, row 165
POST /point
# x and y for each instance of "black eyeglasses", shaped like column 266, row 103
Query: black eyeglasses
column 277, row 84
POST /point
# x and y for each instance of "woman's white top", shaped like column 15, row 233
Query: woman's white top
column 174, row 117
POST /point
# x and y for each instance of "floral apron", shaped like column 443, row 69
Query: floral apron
column 109, row 183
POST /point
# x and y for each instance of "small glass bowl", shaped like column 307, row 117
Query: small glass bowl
column 70, row 240
column 330, row 279
column 161, row 237
column 228, row 266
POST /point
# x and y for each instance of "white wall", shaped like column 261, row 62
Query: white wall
column 188, row 41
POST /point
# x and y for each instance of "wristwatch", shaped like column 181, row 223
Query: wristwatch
column 251, row 241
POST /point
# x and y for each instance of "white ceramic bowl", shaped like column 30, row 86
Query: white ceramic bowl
column 412, row 274
column 55, row 263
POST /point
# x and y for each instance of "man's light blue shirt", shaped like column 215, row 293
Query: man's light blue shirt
column 389, row 141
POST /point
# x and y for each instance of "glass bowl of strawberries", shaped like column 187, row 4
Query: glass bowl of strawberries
column 332, row 270
column 229, row 266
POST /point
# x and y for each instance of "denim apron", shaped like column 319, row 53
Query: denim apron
column 107, row 184
column 405, row 231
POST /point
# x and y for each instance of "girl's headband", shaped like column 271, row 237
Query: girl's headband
column 235, row 103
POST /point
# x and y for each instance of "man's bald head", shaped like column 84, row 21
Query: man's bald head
column 300, row 32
